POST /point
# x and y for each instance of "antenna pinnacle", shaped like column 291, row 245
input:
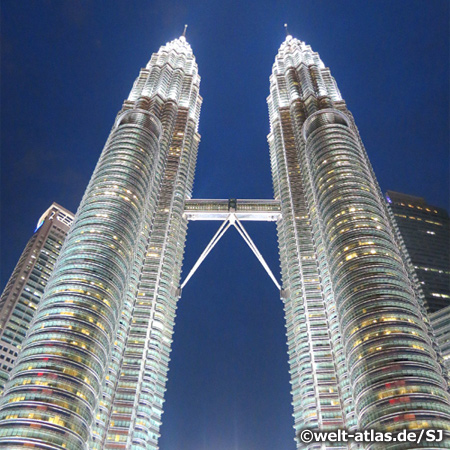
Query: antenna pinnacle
column 286, row 27
column 184, row 31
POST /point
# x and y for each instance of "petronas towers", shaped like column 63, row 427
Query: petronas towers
column 361, row 350
column 92, row 370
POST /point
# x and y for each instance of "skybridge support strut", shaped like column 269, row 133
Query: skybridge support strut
column 231, row 220
column 243, row 232
column 216, row 238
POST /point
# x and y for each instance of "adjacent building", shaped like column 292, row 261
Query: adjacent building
column 426, row 233
column 24, row 289
column 425, row 230
column 441, row 326
column 92, row 370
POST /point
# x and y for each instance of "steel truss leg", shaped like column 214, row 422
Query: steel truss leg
column 231, row 220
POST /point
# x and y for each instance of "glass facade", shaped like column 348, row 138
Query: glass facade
column 440, row 321
column 361, row 350
column 24, row 289
column 425, row 230
column 93, row 367
column 129, row 415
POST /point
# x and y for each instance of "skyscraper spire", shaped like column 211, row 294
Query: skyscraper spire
column 286, row 29
column 184, row 31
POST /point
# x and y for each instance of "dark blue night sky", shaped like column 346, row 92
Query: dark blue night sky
column 68, row 65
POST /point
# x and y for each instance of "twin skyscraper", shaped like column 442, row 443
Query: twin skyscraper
column 92, row 370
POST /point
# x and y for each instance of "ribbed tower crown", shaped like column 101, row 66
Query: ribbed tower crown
column 298, row 73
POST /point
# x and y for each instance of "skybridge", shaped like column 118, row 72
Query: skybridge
column 232, row 212
column 255, row 210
